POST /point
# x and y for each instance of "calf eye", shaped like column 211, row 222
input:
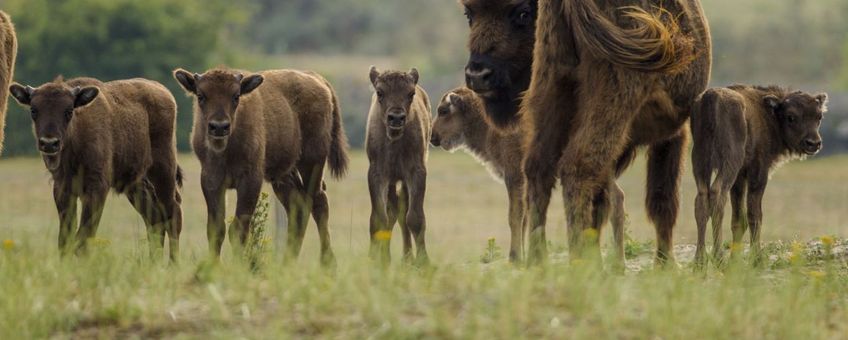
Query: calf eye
column 201, row 98
column 68, row 114
column 790, row 119
column 411, row 95
column 443, row 112
column 380, row 95
column 34, row 113
column 236, row 99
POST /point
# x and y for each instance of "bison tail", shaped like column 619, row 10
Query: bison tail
column 338, row 158
column 710, row 144
column 653, row 44
column 9, row 46
column 180, row 176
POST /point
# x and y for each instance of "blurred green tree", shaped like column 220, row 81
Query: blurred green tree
column 116, row 39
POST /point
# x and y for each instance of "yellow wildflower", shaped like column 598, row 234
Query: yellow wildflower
column 383, row 235
column 816, row 274
column 8, row 244
column 590, row 234
column 827, row 241
column 736, row 247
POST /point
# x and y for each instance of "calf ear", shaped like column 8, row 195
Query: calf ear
column 373, row 74
column 822, row 99
column 771, row 101
column 454, row 99
column 414, row 73
column 22, row 94
column 84, row 96
column 187, row 80
column 251, row 83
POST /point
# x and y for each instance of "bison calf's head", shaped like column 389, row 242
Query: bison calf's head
column 799, row 116
column 52, row 107
column 500, row 44
column 394, row 92
column 453, row 118
column 217, row 95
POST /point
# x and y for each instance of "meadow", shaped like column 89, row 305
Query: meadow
column 471, row 291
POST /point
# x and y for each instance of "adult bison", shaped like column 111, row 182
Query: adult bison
column 607, row 77
column 8, row 51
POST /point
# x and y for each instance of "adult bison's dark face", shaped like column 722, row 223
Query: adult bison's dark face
column 217, row 93
column 52, row 107
column 500, row 43
column 799, row 116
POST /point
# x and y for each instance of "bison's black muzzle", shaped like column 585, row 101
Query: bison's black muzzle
column 219, row 129
column 49, row 146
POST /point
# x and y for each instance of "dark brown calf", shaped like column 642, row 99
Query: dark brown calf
column 460, row 123
column 741, row 134
column 8, row 52
column 94, row 136
column 283, row 131
column 397, row 144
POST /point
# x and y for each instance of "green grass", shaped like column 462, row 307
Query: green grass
column 118, row 292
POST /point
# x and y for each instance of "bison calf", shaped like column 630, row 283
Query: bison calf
column 741, row 134
column 94, row 136
column 460, row 123
column 397, row 136
column 283, row 131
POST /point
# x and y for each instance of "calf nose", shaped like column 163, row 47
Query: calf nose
column 435, row 140
column 397, row 119
column 219, row 128
column 813, row 144
column 48, row 145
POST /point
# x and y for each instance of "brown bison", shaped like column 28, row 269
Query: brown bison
column 8, row 51
column 396, row 142
column 741, row 134
column 282, row 126
column 460, row 123
column 94, row 136
column 607, row 77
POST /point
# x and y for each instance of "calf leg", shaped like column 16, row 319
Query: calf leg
column 143, row 198
column 619, row 218
column 379, row 228
column 515, row 191
column 756, row 189
column 66, row 204
column 316, row 189
column 216, row 205
column 92, row 210
column 163, row 175
column 289, row 190
column 397, row 209
column 739, row 221
column 416, row 185
column 702, row 215
column 248, row 189
column 665, row 162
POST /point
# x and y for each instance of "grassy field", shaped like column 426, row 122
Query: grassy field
column 117, row 292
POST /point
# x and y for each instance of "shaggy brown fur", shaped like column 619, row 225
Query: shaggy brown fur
column 500, row 44
column 461, row 124
column 741, row 134
column 94, row 136
column 283, row 131
column 606, row 79
column 397, row 144
column 8, row 51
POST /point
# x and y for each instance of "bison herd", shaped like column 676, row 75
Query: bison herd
column 564, row 90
